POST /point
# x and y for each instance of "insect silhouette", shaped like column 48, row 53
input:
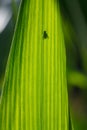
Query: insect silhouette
column 45, row 35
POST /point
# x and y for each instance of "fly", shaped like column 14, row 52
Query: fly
column 45, row 35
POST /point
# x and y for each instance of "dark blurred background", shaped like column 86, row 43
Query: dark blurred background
column 74, row 22
column 8, row 15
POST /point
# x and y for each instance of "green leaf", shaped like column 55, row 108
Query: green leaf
column 35, row 91
column 76, row 78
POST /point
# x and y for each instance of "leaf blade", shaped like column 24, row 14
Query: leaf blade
column 35, row 90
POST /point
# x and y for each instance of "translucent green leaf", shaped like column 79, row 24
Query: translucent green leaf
column 35, row 92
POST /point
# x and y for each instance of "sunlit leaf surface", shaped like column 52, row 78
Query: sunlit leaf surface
column 35, row 92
